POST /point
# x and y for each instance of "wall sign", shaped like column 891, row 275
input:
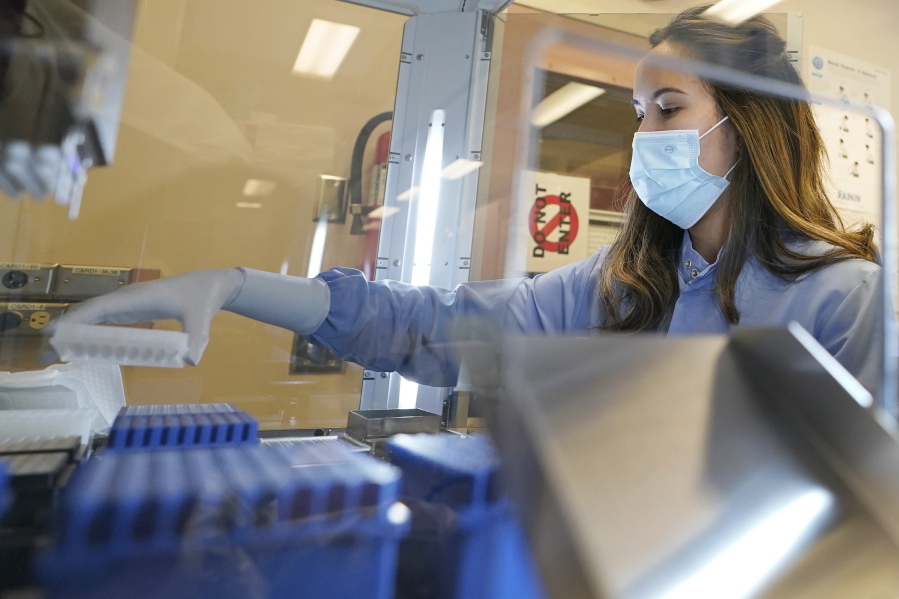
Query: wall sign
column 557, row 212
column 852, row 139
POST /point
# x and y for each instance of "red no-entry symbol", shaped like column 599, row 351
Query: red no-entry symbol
column 565, row 220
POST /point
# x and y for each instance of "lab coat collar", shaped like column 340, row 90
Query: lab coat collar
column 692, row 267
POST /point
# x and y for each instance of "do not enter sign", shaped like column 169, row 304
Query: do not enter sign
column 556, row 208
column 553, row 223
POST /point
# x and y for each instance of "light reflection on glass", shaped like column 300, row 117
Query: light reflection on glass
column 317, row 253
column 563, row 101
column 325, row 47
column 744, row 566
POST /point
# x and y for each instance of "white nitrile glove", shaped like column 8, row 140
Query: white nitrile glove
column 193, row 299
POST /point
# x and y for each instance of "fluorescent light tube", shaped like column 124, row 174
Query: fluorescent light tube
column 258, row 187
column 249, row 204
column 563, row 101
column 325, row 47
column 459, row 168
column 317, row 253
column 428, row 199
column 734, row 12
column 408, row 394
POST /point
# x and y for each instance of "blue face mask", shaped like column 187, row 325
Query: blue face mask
column 667, row 177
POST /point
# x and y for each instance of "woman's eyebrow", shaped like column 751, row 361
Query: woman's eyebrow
column 656, row 94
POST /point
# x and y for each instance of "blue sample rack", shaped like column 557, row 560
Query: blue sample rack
column 465, row 541
column 227, row 522
column 181, row 425
column 5, row 499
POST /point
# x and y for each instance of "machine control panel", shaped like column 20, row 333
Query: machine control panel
column 32, row 295
column 24, row 319
column 34, row 281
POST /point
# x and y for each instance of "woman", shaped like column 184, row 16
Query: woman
column 728, row 224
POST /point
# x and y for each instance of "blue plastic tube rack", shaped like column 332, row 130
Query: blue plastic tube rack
column 465, row 541
column 5, row 499
column 181, row 425
column 228, row 522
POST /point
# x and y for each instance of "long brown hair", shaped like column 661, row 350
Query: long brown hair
column 776, row 187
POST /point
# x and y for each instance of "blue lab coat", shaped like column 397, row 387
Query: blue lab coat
column 391, row 326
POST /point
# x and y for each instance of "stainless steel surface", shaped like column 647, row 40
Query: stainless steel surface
column 455, row 410
column 694, row 467
column 344, row 440
column 83, row 282
column 417, row 7
column 812, row 388
column 27, row 319
column 464, row 412
column 31, row 281
column 364, row 425
column 330, row 199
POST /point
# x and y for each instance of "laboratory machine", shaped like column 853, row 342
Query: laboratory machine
column 435, row 143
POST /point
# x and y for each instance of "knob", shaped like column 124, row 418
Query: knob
column 15, row 279
column 9, row 321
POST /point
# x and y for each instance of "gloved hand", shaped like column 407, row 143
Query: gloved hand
column 193, row 299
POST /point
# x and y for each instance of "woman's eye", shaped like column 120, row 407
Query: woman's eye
column 639, row 118
column 669, row 111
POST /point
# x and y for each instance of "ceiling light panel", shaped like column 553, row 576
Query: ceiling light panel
column 325, row 47
column 734, row 12
column 563, row 101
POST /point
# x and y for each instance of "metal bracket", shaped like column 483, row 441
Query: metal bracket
column 414, row 8
column 441, row 55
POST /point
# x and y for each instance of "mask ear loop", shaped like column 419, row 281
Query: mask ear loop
column 731, row 169
column 715, row 126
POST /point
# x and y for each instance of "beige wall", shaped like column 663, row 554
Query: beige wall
column 211, row 102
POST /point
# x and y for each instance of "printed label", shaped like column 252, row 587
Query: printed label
column 109, row 272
